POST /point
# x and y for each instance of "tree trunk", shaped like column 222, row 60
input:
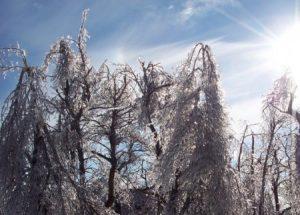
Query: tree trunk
column 275, row 183
column 81, row 164
column 265, row 169
column 298, row 151
column 38, row 179
column 241, row 149
column 111, row 183
column 252, row 174
column 172, row 203
column 113, row 168
column 296, row 115
column 80, row 155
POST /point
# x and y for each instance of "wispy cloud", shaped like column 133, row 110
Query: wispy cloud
column 196, row 7
column 169, row 54
column 240, row 75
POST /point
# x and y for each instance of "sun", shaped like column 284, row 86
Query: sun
column 286, row 51
column 285, row 56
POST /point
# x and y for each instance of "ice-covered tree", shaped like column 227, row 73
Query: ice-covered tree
column 25, row 164
column 196, row 171
column 116, row 138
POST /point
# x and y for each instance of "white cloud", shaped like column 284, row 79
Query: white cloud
column 171, row 7
column 186, row 13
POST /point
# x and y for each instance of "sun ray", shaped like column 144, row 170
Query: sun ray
column 282, row 50
column 285, row 51
column 296, row 16
column 267, row 31
column 246, row 26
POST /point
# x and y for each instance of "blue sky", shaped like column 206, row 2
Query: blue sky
column 163, row 31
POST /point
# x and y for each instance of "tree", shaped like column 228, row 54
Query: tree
column 282, row 99
column 274, row 123
column 115, row 122
column 80, row 140
column 196, row 157
column 152, row 86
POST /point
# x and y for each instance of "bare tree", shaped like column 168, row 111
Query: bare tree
column 152, row 86
column 115, row 120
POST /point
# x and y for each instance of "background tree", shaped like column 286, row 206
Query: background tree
column 115, row 123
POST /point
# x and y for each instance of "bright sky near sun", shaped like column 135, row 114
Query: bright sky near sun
column 254, row 41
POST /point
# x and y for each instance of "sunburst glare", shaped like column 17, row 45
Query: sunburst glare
column 285, row 53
